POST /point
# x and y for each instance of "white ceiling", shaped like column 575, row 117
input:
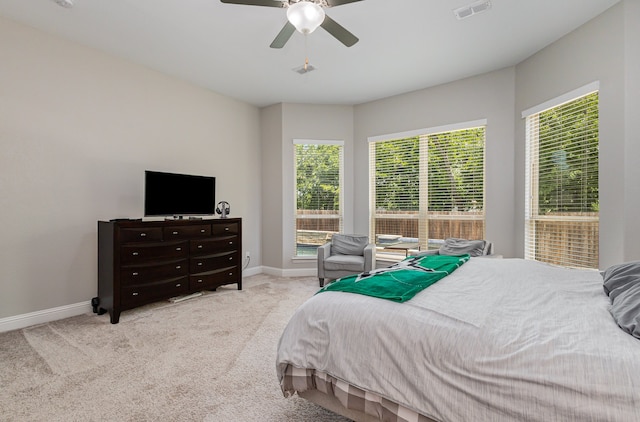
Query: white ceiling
column 404, row 45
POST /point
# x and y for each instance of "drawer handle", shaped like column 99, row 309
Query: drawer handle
column 231, row 243
column 226, row 229
column 199, row 246
column 230, row 273
column 143, row 234
column 199, row 280
column 178, row 285
column 134, row 274
column 178, row 249
column 178, row 267
column 202, row 230
column 134, row 294
column 175, row 233
column 135, row 254
column 199, row 264
column 230, row 258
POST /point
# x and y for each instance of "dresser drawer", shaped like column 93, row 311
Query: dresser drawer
column 142, row 234
column 224, row 228
column 211, row 262
column 213, row 279
column 186, row 232
column 140, row 295
column 218, row 244
column 145, row 252
column 141, row 274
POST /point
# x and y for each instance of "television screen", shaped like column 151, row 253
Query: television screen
column 178, row 194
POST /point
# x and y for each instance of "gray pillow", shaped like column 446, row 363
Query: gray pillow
column 622, row 284
column 346, row 244
column 453, row 246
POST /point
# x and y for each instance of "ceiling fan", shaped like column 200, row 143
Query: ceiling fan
column 305, row 16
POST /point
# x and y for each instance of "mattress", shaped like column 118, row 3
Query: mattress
column 497, row 340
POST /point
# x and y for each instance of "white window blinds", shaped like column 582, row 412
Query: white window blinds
column 562, row 202
column 456, row 171
column 318, row 193
column 427, row 187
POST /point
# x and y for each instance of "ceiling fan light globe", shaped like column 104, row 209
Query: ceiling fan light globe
column 305, row 16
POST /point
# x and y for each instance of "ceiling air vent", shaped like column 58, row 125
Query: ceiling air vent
column 472, row 9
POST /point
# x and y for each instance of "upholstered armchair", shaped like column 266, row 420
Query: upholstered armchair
column 455, row 246
column 344, row 255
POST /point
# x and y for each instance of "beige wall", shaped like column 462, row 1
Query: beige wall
column 77, row 130
column 488, row 96
column 593, row 52
column 632, row 134
column 283, row 124
column 272, row 181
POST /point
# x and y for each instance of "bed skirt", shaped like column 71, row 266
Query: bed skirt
column 343, row 398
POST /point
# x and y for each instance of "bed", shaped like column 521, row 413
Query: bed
column 496, row 340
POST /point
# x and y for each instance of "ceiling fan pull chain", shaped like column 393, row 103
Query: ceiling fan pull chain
column 306, row 54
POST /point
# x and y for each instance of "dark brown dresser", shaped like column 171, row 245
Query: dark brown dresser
column 140, row 262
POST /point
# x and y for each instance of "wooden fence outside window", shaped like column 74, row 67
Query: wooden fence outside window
column 572, row 237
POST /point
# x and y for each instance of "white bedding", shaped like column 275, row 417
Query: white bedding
column 498, row 340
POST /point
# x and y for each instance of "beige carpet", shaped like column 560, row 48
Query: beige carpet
column 211, row 358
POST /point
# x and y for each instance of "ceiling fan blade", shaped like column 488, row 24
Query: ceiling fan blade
column 339, row 31
column 283, row 36
column 268, row 3
column 334, row 3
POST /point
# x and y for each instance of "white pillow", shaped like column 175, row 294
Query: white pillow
column 622, row 284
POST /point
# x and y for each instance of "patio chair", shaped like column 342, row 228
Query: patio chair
column 344, row 255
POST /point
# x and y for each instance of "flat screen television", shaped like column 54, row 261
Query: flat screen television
column 174, row 194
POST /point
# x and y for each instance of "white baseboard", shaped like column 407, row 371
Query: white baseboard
column 248, row 272
column 18, row 322
column 47, row 315
column 295, row 272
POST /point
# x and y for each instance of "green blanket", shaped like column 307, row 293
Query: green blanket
column 402, row 281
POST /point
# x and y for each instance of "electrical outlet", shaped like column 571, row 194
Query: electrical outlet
column 248, row 254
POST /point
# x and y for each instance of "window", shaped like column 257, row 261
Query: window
column 562, row 202
column 318, row 193
column 427, row 185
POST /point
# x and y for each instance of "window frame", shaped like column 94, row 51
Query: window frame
column 533, row 217
column 423, row 214
column 339, row 216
